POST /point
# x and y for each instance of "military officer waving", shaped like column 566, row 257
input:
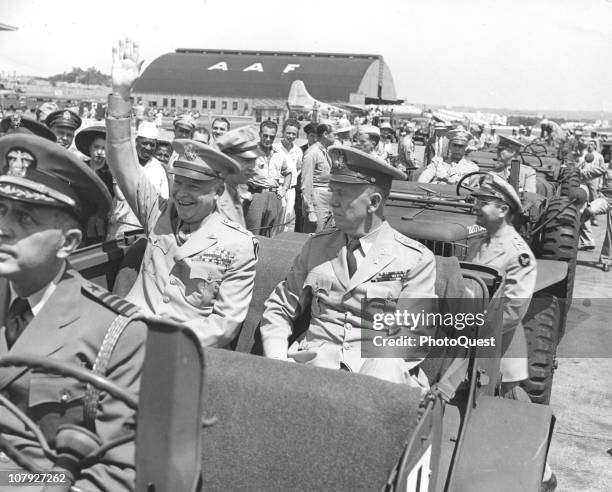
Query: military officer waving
column 47, row 309
column 198, row 267
column 337, row 270
column 504, row 248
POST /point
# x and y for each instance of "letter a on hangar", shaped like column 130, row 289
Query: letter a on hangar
column 219, row 66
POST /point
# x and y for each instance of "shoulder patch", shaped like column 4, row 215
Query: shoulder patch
column 524, row 259
column 236, row 226
column 117, row 304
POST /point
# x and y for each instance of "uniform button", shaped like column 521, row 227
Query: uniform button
column 347, row 326
column 64, row 396
column 166, row 299
column 347, row 346
column 172, row 281
column 4, row 458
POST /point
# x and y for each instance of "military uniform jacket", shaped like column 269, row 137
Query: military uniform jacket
column 70, row 328
column 206, row 283
column 395, row 267
column 507, row 251
column 439, row 171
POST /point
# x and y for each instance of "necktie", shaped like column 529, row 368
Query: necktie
column 183, row 233
column 19, row 315
column 351, row 261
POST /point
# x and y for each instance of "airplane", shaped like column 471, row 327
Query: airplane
column 300, row 100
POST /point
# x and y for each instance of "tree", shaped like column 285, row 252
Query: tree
column 91, row 76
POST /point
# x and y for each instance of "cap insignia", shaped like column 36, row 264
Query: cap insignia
column 15, row 121
column 66, row 115
column 18, row 162
column 190, row 153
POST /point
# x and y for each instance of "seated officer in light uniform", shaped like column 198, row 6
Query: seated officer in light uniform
column 199, row 267
column 338, row 269
column 509, row 149
column 454, row 166
column 505, row 249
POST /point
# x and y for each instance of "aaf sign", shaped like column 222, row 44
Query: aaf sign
column 255, row 67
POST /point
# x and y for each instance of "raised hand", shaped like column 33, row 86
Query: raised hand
column 126, row 67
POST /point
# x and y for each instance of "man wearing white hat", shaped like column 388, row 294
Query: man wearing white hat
column 122, row 218
column 452, row 168
column 437, row 145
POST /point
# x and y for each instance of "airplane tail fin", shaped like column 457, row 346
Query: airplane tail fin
column 299, row 96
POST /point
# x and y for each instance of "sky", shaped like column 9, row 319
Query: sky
column 519, row 54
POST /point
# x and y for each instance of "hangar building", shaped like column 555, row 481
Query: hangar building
column 256, row 83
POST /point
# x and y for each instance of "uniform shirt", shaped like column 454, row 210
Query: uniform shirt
column 393, row 267
column 406, row 150
column 315, row 172
column 269, row 169
column 38, row 299
column 122, row 218
column 527, row 178
column 293, row 158
column 207, row 282
column 439, row 171
column 507, row 251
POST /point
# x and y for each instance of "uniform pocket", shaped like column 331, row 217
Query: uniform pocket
column 321, row 286
column 202, row 283
column 54, row 390
column 389, row 290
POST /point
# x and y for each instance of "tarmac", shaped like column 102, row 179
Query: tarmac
column 581, row 450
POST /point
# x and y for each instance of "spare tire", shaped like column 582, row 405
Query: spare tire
column 541, row 324
column 559, row 241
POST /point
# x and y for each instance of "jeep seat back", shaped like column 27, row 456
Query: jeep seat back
column 287, row 426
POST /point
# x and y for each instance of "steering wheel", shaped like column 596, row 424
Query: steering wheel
column 536, row 148
column 530, row 154
column 460, row 184
column 64, row 369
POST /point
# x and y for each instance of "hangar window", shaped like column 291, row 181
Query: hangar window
column 165, row 102
column 185, row 103
column 213, row 104
column 152, row 104
column 194, row 104
column 246, row 106
column 235, row 106
column 173, row 103
column 223, row 104
column 204, row 103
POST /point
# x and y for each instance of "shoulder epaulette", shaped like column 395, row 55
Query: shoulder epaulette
column 325, row 232
column 411, row 243
column 117, row 304
column 236, row 226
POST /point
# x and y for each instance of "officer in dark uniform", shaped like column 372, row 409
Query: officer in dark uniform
column 16, row 123
column 64, row 123
column 48, row 309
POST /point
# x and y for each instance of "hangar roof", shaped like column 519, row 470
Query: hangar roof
column 263, row 74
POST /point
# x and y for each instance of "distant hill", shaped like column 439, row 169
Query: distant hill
column 91, row 76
